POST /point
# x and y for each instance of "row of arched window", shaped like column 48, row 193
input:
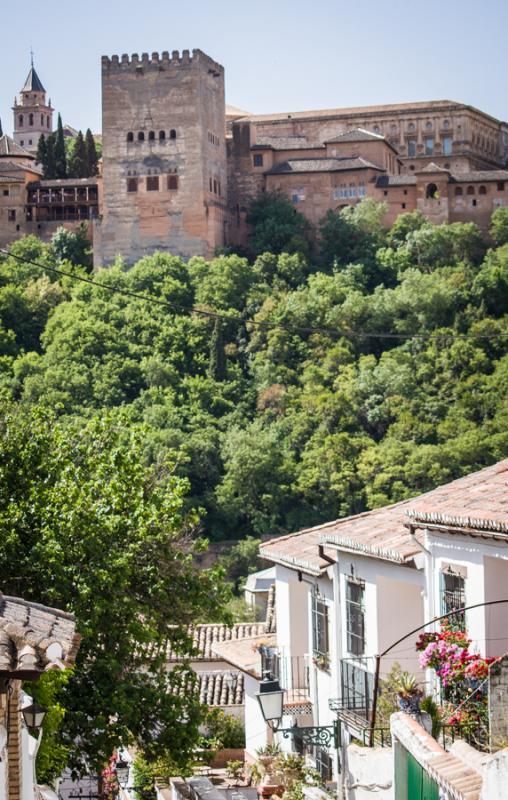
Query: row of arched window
column 470, row 190
column 151, row 136
column 31, row 120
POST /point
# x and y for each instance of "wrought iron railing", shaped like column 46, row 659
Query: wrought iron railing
column 292, row 672
column 357, row 686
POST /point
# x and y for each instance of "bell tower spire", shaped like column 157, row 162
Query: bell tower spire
column 32, row 115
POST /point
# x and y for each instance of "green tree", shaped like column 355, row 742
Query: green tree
column 499, row 225
column 88, row 528
column 49, row 168
column 73, row 246
column 59, row 151
column 92, row 158
column 276, row 226
column 78, row 164
column 42, row 152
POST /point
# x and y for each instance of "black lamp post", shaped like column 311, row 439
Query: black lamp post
column 34, row 716
column 271, row 701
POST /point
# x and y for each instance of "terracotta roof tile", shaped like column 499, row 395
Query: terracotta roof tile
column 478, row 501
column 322, row 165
column 356, row 135
column 34, row 638
column 8, row 147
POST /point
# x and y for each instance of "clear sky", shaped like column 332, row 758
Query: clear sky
column 279, row 55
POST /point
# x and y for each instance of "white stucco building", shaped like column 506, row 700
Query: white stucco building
column 348, row 590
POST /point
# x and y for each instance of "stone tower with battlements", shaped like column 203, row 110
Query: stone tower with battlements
column 164, row 156
column 32, row 115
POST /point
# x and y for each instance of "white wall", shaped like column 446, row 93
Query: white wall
column 291, row 606
column 256, row 729
column 484, row 580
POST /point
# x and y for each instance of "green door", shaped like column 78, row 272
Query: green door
column 414, row 779
column 420, row 785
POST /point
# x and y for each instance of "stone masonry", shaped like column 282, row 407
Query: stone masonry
column 164, row 156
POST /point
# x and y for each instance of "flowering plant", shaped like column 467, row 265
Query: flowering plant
column 461, row 674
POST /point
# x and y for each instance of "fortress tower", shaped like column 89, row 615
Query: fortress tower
column 32, row 115
column 164, row 156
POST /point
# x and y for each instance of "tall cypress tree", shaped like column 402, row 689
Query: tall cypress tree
column 60, row 157
column 91, row 154
column 49, row 169
column 78, row 166
column 217, row 360
column 42, row 152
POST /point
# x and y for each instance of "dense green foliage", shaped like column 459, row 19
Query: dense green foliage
column 67, row 157
column 122, row 416
column 88, row 527
column 277, row 425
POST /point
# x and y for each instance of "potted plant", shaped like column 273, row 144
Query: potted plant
column 266, row 757
column 321, row 661
column 409, row 693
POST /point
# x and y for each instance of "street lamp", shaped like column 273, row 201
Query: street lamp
column 122, row 772
column 270, row 698
column 34, row 716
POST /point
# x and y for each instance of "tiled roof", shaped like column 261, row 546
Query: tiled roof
column 205, row 636
column 395, row 180
column 356, row 135
column 283, row 143
column 478, row 502
column 11, row 179
column 432, row 168
column 244, row 653
column 15, row 166
column 389, row 108
column 480, row 176
column 8, row 147
column 221, row 688
column 303, row 165
column 34, row 638
column 33, row 82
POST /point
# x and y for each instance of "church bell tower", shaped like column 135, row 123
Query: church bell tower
column 32, row 115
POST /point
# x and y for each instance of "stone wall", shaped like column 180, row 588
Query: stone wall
column 498, row 704
column 164, row 156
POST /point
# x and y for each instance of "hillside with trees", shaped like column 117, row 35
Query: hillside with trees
column 288, row 388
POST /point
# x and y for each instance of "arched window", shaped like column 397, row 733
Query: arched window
column 482, row 190
column 30, row 119
column 130, row 136
column 446, row 123
column 411, row 126
column 458, row 191
column 428, row 125
column 431, row 190
column 141, row 136
column 20, row 120
column 151, row 136
column 172, row 134
column 42, row 119
column 470, row 190
column 162, row 136
column 172, row 182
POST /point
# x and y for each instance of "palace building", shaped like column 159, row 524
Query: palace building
column 180, row 168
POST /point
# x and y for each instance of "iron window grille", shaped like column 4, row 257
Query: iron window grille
column 324, row 764
column 355, row 617
column 320, row 643
column 453, row 596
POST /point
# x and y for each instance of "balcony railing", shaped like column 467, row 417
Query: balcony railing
column 357, row 686
column 291, row 671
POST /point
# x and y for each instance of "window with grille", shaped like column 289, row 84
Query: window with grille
column 173, row 182
column 355, row 617
column 319, row 625
column 324, row 764
column 258, row 160
column 453, row 596
column 152, row 183
column 132, row 184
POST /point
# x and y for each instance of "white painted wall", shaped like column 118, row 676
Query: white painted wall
column 291, row 608
column 29, row 748
column 485, row 580
column 256, row 729
column 369, row 773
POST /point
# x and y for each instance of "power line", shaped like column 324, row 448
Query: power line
column 255, row 323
